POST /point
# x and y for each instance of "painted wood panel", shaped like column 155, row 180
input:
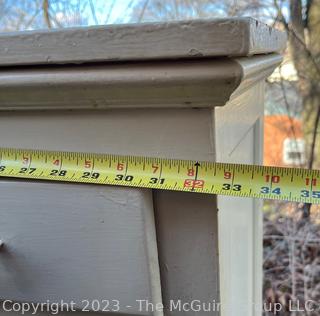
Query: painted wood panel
column 188, row 252
column 76, row 244
column 239, row 140
column 161, row 84
column 168, row 133
column 180, row 133
column 183, row 39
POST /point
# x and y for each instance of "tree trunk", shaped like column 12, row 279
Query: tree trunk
column 304, row 39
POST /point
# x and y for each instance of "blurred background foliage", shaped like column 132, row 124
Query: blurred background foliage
column 291, row 231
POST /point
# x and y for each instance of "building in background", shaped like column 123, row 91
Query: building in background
column 284, row 144
column 283, row 141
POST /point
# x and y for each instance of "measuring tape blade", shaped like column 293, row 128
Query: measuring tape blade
column 291, row 184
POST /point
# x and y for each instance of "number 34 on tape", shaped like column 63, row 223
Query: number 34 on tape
column 291, row 184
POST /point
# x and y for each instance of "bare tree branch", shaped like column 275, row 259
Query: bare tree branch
column 143, row 10
column 45, row 8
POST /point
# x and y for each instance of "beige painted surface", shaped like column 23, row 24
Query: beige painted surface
column 188, row 250
column 183, row 39
column 146, row 132
column 76, row 243
column 165, row 84
column 170, row 133
column 240, row 220
column 162, row 84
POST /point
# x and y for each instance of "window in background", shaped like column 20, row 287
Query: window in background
column 294, row 151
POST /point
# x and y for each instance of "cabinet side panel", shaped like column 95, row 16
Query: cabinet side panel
column 239, row 140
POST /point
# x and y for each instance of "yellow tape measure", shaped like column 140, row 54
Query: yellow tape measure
column 300, row 185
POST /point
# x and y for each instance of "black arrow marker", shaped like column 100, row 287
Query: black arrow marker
column 197, row 164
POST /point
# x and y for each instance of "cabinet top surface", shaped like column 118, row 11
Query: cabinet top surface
column 232, row 37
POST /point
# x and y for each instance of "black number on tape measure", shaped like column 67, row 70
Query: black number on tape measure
column 88, row 175
column 23, row 170
column 266, row 190
column 226, row 186
column 314, row 194
column 26, row 170
column 2, row 168
column 120, row 177
column 56, row 172
column 156, row 180
column 235, row 187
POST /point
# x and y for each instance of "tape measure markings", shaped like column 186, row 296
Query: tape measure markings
column 293, row 184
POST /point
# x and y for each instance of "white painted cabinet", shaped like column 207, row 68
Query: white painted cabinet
column 191, row 90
